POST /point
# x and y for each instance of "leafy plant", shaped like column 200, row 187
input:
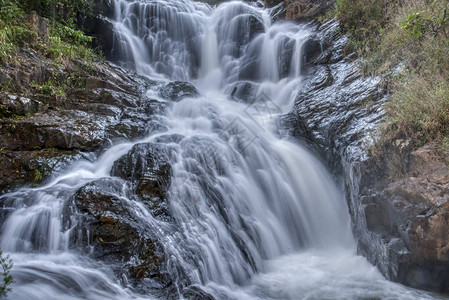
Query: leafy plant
column 418, row 24
column 38, row 175
column 69, row 33
column 6, row 265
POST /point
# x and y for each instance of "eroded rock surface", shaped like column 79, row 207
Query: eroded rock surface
column 108, row 225
column 301, row 9
column 178, row 90
column 148, row 170
column 398, row 199
column 38, row 117
column 408, row 209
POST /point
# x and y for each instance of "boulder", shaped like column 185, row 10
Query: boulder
column 108, row 226
column 410, row 210
column 19, row 168
column 148, row 169
column 178, row 90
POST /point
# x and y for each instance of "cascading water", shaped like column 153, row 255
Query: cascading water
column 257, row 216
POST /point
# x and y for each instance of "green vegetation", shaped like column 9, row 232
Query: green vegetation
column 65, row 40
column 6, row 280
column 64, row 11
column 55, row 51
column 4, row 111
column 408, row 41
column 38, row 175
column 50, row 88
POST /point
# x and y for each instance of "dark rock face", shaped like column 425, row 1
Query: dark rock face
column 178, row 90
column 336, row 106
column 398, row 201
column 117, row 219
column 147, row 167
column 107, row 225
column 100, row 27
column 64, row 130
column 271, row 3
column 18, row 105
column 109, row 105
column 24, row 167
column 40, row 25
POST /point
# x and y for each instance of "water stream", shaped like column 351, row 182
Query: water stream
column 257, row 215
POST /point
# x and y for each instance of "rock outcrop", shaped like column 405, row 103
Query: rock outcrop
column 38, row 118
column 306, row 9
column 108, row 225
column 148, row 170
column 398, row 198
column 302, row 9
column 178, row 90
column 404, row 196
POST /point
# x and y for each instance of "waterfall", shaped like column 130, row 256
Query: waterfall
column 255, row 215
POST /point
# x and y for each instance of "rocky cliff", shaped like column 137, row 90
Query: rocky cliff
column 398, row 196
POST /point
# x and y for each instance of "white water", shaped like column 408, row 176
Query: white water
column 257, row 215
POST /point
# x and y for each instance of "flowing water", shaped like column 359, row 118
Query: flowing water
column 257, row 215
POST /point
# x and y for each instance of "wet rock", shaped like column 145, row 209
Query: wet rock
column 335, row 109
column 255, row 26
column 311, row 49
column 178, row 90
column 96, row 83
column 148, row 169
column 16, row 105
column 398, row 198
column 19, row 168
column 277, row 11
column 108, row 226
column 195, row 293
column 62, row 130
column 244, row 91
column 271, row 3
column 248, row 70
column 285, row 57
column 109, row 105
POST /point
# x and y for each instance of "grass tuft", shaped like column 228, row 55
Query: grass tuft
column 408, row 43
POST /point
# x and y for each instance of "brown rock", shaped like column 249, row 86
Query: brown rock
column 97, row 83
column 305, row 9
column 109, row 228
column 429, row 236
column 271, row 3
column 413, row 211
column 18, row 168
column 40, row 26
